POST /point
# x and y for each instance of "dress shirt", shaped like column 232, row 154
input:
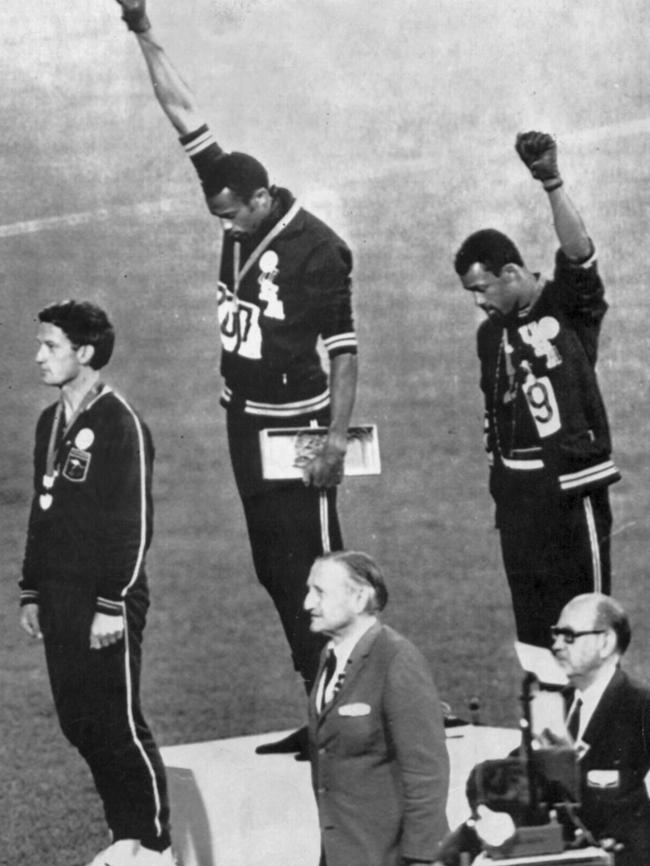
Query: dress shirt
column 591, row 696
column 342, row 651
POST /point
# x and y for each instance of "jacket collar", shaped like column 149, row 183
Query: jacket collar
column 603, row 713
column 356, row 663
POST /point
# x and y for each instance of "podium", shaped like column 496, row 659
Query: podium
column 231, row 807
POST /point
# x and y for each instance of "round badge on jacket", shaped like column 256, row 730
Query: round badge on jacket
column 84, row 439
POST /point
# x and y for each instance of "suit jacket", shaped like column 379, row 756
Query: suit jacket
column 614, row 798
column 380, row 768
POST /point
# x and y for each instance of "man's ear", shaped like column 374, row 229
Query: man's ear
column 85, row 354
column 510, row 272
column 262, row 199
column 362, row 599
column 609, row 643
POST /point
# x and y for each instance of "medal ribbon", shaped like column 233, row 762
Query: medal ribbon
column 52, row 447
column 238, row 275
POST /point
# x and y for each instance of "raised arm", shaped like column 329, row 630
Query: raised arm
column 538, row 150
column 174, row 96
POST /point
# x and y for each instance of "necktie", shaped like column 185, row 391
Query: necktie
column 328, row 673
column 573, row 722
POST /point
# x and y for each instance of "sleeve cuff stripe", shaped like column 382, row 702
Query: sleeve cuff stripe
column 188, row 137
column 193, row 148
column 342, row 350
column 349, row 338
column 590, row 261
column 342, row 347
column 107, row 605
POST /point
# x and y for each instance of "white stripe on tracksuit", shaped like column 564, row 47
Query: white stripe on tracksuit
column 127, row 650
column 594, row 546
column 324, row 521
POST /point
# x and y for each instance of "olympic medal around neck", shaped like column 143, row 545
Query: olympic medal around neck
column 45, row 499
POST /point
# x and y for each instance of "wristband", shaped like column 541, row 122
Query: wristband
column 554, row 183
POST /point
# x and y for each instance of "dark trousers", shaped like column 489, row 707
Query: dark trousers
column 97, row 699
column 553, row 550
column 289, row 525
column 287, row 532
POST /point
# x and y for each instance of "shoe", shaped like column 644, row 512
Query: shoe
column 124, row 852
column 148, row 857
column 298, row 741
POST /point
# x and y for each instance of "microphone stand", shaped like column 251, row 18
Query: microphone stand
column 527, row 745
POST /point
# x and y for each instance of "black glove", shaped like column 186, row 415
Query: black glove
column 134, row 13
column 538, row 151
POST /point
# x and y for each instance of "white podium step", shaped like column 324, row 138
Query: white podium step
column 231, row 807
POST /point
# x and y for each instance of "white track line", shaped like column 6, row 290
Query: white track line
column 143, row 209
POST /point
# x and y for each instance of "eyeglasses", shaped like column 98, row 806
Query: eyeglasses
column 568, row 635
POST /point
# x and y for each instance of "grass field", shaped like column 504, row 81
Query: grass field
column 395, row 123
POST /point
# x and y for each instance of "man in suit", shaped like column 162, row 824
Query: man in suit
column 380, row 768
column 608, row 720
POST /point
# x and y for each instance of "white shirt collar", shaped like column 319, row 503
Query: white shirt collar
column 593, row 693
column 342, row 651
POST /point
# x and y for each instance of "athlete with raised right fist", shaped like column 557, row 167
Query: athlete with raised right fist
column 283, row 286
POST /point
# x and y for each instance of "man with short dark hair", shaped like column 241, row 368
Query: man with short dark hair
column 284, row 284
column 380, row 768
column 84, row 589
column 546, row 429
column 609, row 715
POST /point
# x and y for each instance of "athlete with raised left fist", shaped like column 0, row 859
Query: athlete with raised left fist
column 546, row 429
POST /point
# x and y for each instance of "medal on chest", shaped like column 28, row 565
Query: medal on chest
column 268, row 289
column 45, row 499
column 83, row 441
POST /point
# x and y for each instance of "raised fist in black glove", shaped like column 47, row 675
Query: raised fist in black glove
column 539, row 152
column 134, row 13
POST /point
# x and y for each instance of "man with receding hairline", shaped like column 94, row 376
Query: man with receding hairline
column 609, row 715
column 607, row 722
column 284, row 288
column 380, row 769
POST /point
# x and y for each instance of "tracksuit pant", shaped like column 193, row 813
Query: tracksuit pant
column 554, row 549
column 289, row 526
column 97, row 699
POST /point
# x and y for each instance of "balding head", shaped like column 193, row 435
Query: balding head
column 592, row 633
column 606, row 613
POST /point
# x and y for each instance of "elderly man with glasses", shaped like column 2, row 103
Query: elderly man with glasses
column 608, row 725
column 608, row 721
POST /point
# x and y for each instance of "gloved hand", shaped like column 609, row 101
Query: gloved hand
column 538, row 151
column 134, row 13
